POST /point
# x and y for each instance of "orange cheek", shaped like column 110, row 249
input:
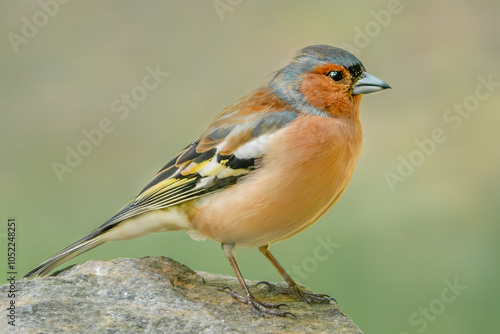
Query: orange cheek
column 321, row 92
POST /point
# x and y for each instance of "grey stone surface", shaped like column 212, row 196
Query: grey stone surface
column 154, row 295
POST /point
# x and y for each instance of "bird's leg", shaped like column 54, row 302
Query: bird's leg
column 260, row 308
column 293, row 289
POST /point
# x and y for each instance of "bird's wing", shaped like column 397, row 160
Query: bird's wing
column 225, row 152
column 228, row 150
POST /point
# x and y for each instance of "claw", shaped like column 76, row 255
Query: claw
column 263, row 282
column 278, row 306
column 269, row 285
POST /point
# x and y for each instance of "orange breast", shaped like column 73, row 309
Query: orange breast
column 309, row 164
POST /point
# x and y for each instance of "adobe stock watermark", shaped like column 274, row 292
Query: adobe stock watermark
column 122, row 108
column 453, row 118
column 31, row 26
column 223, row 6
column 364, row 35
column 322, row 252
column 421, row 318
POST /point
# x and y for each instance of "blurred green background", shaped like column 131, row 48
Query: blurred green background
column 396, row 247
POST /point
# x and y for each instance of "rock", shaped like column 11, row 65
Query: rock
column 154, row 295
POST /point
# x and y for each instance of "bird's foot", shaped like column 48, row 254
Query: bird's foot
column 295, row 292
column 261, row 308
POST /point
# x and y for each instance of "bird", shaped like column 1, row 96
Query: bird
column 267, row 167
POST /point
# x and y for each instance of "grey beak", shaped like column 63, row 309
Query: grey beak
column 368, row 84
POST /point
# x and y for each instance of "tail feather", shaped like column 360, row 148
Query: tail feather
column 81, row 246
column 115, row 229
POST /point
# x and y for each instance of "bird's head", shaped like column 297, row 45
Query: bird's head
column 326, row 81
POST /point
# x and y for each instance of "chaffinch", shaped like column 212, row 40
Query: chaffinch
column 268, row 167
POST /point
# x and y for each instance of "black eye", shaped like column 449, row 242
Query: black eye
column 335, row 75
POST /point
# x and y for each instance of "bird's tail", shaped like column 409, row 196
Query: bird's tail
column 86, row 243
column 126, row 224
